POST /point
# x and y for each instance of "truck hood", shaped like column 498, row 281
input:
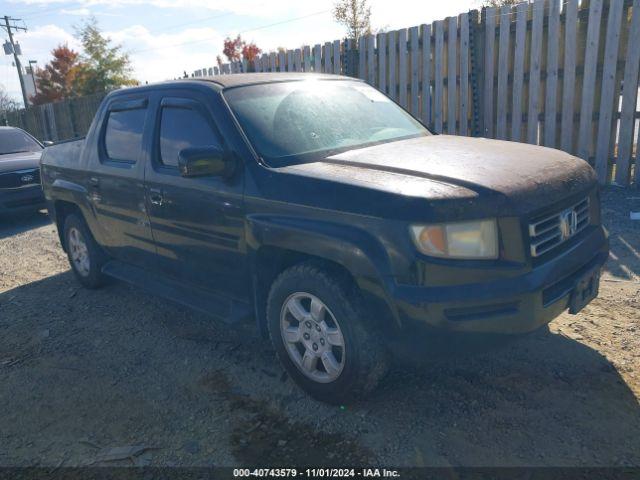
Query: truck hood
column 19, row 161
column 515, row 178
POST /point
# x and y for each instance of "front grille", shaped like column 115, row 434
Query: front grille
column 20, row 178
column 549, row 231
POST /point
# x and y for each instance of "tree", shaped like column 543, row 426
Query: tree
column 236, row 48
column 233, row 48
column 56, row 80
column 8, row 104
column 250, row 51
column 103, row 66
column 502, row 3
column 355, row 15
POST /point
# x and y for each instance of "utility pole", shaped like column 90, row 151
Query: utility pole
column 9, row 27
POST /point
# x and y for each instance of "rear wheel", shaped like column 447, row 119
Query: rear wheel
column 322, row 336
column 85, row 257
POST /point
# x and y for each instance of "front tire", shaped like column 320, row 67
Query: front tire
column 84, row 254
column 321, row 335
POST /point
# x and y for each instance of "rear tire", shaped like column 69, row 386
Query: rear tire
column 85, row 256
column 322, row 337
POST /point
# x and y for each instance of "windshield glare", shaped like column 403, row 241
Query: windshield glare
column 297, row 121
column 15, row 141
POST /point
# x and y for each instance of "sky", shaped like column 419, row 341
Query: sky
column 164, row 38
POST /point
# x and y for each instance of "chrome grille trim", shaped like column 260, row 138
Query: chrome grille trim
column 13, row 179
column 550, row 231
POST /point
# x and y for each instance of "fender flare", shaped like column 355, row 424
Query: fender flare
column 356, row 250
column 75, row 194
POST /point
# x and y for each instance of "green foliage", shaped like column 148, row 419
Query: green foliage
column 103, row 66
column 355, row 15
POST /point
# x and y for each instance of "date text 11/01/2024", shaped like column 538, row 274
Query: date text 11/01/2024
column 316, row 472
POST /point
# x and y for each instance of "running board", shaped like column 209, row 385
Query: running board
column 222, row 308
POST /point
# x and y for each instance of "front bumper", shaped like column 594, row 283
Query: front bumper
column 22, row 199
column 508, row 306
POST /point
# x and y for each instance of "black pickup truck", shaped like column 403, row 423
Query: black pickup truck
column 322, row 209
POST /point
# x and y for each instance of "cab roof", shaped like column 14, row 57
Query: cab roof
column 241, row 79
column 220, row 82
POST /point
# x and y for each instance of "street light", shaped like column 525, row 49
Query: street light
column 31, row 64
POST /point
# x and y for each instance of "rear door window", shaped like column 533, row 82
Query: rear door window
column 182, row 128
column 123, row 134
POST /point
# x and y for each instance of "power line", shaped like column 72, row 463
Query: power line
column 164, row 29
column 242, row 32
column 42, row 12
column 200, row 20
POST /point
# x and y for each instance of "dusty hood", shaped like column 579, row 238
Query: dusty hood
column 491, row 174
column 19, row 161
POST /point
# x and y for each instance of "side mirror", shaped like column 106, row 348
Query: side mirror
column 205, row 162
column 47, row 143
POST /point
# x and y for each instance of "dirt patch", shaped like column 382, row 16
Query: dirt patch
column 267, row 437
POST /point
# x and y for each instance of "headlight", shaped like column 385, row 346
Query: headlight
column 465, row 240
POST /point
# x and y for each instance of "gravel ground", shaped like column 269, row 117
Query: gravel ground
column 85, row 371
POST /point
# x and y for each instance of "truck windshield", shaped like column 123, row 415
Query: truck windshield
column 293, row 122
column 16, row 141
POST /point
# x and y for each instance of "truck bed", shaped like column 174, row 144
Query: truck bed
column 63, row 154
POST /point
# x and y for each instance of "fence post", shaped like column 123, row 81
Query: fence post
column 382, row 62
column 437, row 75
column 349, row 58
column 337, row 60
column 452, row 74
column 361, row 58
column 610, row 93
column 503, row 73
column 522, row 11
column 476, row 71
column 535, row 65
column 306, row 53
column 426, row 75
column 72, row 118
column 585, row 128
column 464, row 74
column 630, row 95
column 489, row 43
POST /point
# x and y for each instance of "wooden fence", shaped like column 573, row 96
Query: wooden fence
column 559, row 73
column 549, row 72
column 56, row 121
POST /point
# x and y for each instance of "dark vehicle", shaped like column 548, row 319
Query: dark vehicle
column 20, row 189
column 319, row 207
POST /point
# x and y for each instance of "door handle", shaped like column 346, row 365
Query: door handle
column 155, row 196
column 94, row 182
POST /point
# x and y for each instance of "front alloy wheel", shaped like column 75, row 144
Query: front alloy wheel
column 312, row 337
column 323, row 334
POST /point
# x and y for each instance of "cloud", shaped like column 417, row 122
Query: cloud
column 164, row 53
column 408, row 13
column 256, row 8
column 83, row 12
column 162, row 56
column 38, row 42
